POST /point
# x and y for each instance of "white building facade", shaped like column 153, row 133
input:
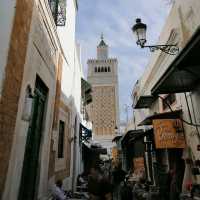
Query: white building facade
column 40, row 62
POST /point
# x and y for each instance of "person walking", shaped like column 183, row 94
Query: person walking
column 58, row 192
column 99, row 187
column 118, row 175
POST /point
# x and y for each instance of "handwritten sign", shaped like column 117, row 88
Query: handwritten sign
column 168, row 133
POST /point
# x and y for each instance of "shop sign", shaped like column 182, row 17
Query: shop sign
column 168, row 133
column 138, row 164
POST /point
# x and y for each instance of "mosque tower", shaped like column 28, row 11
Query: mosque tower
column 104, row 109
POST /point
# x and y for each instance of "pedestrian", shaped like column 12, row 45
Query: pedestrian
column 81, row 183
column 99, row 187
column 139, row 188
column 118, row 175
column 176, row 184
column 94, row 180
column 106, row 188
column 80, row 180
column 58, row 192
column 126, row 190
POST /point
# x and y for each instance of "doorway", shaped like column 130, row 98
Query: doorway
column 28, row 188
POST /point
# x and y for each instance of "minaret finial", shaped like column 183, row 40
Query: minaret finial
column 102, row 43
column 101, row 36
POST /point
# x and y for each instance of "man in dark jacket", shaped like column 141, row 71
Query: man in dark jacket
column 99, row 187
column 118, row 175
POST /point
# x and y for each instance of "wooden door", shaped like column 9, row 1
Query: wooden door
column 28, row 186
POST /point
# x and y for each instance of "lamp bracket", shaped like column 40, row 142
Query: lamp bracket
column 168, row 49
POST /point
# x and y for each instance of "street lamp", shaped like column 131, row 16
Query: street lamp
column 139, row 30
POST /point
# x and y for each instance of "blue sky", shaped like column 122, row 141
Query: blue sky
column 114, row 18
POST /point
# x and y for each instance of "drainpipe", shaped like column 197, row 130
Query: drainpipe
column 146, row 154
column 74, row 156
column 149, row 158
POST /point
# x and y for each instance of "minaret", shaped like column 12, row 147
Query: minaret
column 102, row 50
column 104, row 109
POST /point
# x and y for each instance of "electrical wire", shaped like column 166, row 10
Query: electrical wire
column 189, row 112
column 188, row 123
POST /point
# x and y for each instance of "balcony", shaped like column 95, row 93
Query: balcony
column 144, row 102
column 86, row 92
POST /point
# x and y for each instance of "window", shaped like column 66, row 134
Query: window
column 105, row 69
column 58, row 10
column 99, row 69
column 61, row 139
column 102, row 69
column 95, row 69
column 108, row 69
column 169, row 99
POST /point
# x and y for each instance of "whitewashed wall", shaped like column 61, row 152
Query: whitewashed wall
column 71, row 89
column 71, row 81
column 44, row 66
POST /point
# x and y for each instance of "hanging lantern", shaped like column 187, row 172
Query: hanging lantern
column 27, row 109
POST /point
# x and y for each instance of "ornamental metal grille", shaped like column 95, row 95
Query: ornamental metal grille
column 58, row 9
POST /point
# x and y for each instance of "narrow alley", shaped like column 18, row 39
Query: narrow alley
column 99, row 100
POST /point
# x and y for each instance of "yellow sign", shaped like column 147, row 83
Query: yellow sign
column 114, row 153
column 168, row 133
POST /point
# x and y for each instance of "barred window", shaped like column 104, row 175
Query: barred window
column 58, row 9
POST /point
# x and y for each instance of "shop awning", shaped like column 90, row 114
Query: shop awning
column 95, row 149
column 133, row 135
column 99, row 150
column 144, row 102
column 166, row 115
column 183, row 75
column 116, row 138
